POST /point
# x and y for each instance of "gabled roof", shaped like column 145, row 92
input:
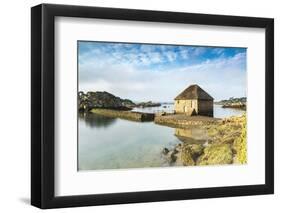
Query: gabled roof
column 194, row 92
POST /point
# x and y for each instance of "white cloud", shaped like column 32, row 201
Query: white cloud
column 171, row 56
column 222, row 78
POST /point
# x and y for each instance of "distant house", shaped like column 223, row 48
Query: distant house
column 194, row 101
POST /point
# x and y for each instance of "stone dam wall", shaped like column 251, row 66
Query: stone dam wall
column 182, row 121
column 128, row 115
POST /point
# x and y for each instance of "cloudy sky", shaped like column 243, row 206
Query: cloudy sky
column 143, row 72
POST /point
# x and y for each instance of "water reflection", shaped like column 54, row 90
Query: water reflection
column 97, row 121
column 192, row 135
column 113, row 143
column 122, row 143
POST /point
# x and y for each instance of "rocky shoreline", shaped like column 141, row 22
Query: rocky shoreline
column 147, row 104
column 238, row 103
column 102, row 100
column 226, row 144
column 105, row 100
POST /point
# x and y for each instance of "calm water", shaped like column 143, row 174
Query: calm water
column 219, row 112
column 112, row 143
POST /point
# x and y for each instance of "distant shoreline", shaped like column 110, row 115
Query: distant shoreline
column 236, row 103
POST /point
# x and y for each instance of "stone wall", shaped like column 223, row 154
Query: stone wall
column 128, row 115
column 184, row 121
column 188, row 107
column 194, row 107
column 206, row 107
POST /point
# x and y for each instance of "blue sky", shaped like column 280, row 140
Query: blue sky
column 143, row 72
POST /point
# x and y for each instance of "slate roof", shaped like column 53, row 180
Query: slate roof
column 194, row 92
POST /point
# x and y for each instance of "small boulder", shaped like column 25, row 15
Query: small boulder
column 172, row 157
column 195, row 150
column 165, row 151
column 186, row 157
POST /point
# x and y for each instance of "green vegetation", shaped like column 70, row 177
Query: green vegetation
column 226, row 145
column 216, row 154
column 240, row 146
column 190, row 152
column 227, row 138
column 102, row 100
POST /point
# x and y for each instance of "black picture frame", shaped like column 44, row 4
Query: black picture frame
column 43, row 110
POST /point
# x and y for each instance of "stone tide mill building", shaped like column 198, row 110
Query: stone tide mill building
column 194, row 101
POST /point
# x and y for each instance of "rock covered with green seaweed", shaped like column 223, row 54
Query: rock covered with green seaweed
column 226, row 144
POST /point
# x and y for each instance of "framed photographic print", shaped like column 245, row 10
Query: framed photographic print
column 140, row 106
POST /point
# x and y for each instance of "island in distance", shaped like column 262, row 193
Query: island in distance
column 106, row 100
column 232, row 102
